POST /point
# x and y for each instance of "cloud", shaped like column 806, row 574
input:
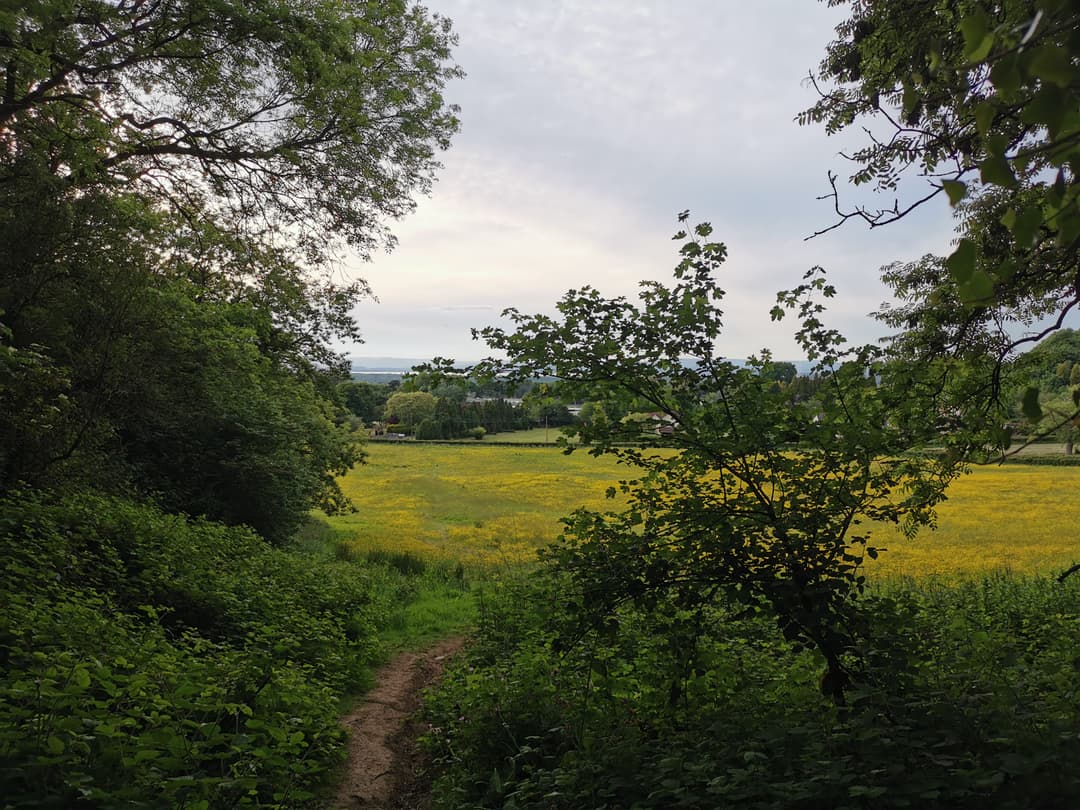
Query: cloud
column 586, row 127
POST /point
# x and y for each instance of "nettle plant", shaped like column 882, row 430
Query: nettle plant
column 743, row 493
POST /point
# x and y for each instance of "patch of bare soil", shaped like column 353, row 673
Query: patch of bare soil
column 384, row 767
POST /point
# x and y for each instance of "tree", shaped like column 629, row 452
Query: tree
column 175, row 178
column 733, row 515
column 366, row 400
column 980, row 100
column 781, row 371
column 315, row 118
column 410, row 408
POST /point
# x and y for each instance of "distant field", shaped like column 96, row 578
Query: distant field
column 496, row 505
column 533, row 436
column 475, row 503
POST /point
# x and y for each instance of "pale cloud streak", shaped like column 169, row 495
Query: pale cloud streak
column 586, row 127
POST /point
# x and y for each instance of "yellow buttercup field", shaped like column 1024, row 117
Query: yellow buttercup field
column 476, row 504
column 487, row 505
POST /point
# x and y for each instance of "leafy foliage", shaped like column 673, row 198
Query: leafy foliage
column 410, row 408
column 528, row 722
column 366, row 400
column 766, row 502
column 148, row 660
column 201, row 392
column 175, row 180
column 980, row 99
column 317, row 119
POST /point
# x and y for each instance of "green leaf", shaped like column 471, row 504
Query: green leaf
column 961, row 263
column 1052, row 63
column 911, row 99
column 1047, row 107
column 984, row 117
column 1030, row 405
column 1068, row 226
column 955, row 189
column 995, row 169
column 982, row 50
column 1026, row 227
column 974, row 30
column 1006, row 270
column 978, row 289
column 1056, row 195
column 1006, row 76
column 54, row 745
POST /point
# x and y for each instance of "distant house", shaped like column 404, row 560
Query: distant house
column 663, row 424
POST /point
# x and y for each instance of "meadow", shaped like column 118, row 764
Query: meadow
column 482, row 505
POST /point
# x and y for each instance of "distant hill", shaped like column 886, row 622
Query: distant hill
column 368, row 368
column 390, row 364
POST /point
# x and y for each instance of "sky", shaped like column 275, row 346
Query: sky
column 587, row 126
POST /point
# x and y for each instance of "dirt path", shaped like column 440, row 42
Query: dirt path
column 381, row 771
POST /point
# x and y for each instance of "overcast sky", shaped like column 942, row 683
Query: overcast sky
column 587, row 125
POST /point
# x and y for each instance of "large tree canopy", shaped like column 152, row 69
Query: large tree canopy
column 982, row 100
column 319, row 117
column 176, row 177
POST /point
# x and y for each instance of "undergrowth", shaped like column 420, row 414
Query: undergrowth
column 969, row 697
column 149, row 660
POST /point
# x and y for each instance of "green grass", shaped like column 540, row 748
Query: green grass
column 439, row 609
column 485, row 507
column 533, row 436
column 489, row 507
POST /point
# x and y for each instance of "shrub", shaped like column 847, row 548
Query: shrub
column 968, row 700
column 149, row 660
column 429, row 429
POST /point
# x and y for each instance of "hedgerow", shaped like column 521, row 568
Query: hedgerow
column 970, row 698
column 150, row 660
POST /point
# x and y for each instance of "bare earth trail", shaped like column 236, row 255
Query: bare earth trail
column 380, row 773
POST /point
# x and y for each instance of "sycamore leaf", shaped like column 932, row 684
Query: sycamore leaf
column 962, row 262
column 978, row 289
column 955, row 189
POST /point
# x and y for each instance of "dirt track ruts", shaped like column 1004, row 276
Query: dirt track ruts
column 381, row 770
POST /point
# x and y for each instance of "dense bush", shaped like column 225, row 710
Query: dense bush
column 150, row 661
column 1058, row 460
column 970, row 697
